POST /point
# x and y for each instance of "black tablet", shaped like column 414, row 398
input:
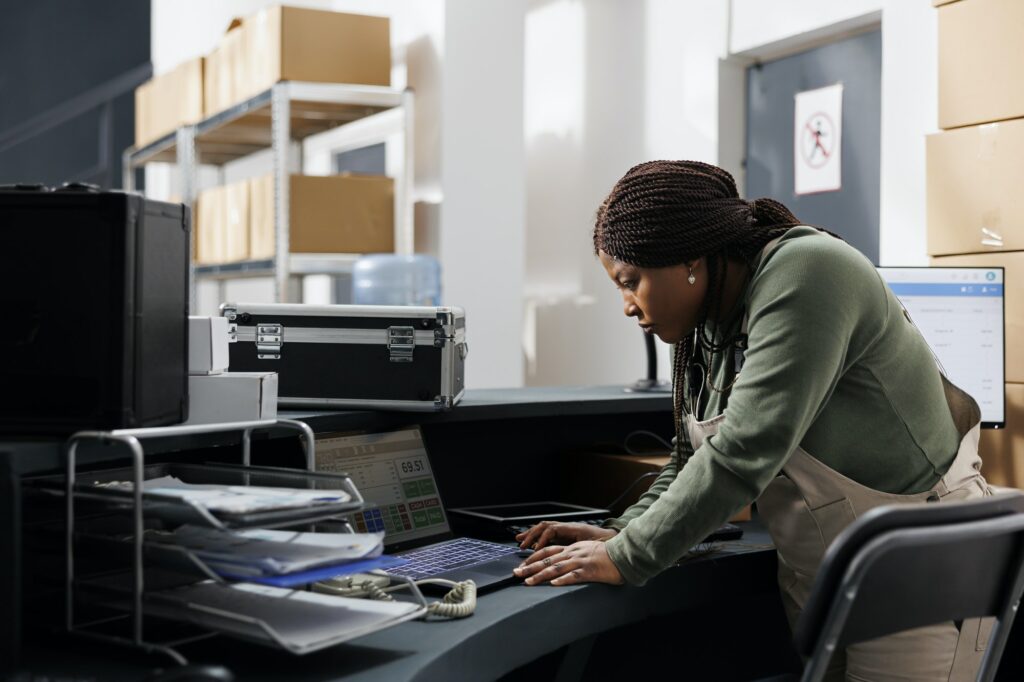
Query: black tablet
column 530, row 512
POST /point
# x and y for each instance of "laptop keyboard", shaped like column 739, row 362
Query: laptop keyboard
column 447, row 556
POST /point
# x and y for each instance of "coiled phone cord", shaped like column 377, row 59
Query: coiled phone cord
column 458, row 603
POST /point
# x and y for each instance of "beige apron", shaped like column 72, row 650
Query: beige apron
column 809, row 504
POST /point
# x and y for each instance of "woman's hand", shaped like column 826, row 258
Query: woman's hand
column 553, row 532
column 581, row 562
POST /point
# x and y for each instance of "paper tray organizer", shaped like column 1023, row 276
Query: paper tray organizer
column 177, row 510
column 296, row 621
column 277, row 617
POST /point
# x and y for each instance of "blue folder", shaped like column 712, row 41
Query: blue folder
column 322, row 573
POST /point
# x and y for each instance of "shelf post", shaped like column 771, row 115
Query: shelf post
column 405, row 230
column 186, row 153
column 127, row 171
column 280, row 115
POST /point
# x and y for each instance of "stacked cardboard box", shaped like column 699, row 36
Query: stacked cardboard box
column 975, row 205
column 332, row 214
column 275, row 44
column 222, row 224
column 327, row 214
column 169, row 101
column 291, row 43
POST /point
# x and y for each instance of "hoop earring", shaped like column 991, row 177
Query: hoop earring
column 691, row 279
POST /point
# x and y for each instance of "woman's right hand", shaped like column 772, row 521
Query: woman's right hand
column 558, row 533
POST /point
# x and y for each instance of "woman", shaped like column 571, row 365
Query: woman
column 835, row 402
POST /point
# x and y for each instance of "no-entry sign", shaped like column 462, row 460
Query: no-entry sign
column 817, row 140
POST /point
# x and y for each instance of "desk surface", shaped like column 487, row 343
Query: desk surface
column 511, row 627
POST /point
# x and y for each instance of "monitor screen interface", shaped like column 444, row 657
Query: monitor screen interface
column 960, row 314
column 392, row 471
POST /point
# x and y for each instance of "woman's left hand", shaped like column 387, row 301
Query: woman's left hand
column 581, row 562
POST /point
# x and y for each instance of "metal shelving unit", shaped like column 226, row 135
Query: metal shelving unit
column 290, row 111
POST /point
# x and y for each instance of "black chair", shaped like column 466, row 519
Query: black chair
column 907, row 566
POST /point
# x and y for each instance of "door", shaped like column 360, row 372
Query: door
column 852, row 211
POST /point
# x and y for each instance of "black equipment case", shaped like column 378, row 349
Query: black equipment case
column 348, row 356
column 94, row 293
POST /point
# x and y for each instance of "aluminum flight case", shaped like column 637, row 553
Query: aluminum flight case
column 353, row 357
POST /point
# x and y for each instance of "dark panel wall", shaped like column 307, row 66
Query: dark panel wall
column 68, row 69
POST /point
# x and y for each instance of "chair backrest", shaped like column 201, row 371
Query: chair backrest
column 907, row 566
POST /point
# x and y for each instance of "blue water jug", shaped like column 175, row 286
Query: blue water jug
column 392, row 279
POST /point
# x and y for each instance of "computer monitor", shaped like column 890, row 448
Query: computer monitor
column 960, row 313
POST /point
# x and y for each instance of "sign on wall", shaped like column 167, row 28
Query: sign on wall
column 817, row 140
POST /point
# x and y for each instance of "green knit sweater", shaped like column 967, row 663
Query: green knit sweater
column 832, row 366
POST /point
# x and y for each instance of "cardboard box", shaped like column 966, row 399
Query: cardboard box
column 939, row 3
column 169, row 101
column 236, row 231
column 207, row 345
column 1002, row 450
column 980, row 61
column 1013, row 303
column 222, row 224
column 223, row 68
column 297, row 44
column 328, row 214
column 232, row 397
column 210, row 215
column 596, row 479
column 261, row 218
column 974, row 179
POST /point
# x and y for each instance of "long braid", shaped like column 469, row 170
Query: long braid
column 681, row 358
column 664, row 213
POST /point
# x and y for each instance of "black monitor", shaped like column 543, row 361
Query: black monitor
column 960, row 312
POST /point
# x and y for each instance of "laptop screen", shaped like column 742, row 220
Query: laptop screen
column 392, row 471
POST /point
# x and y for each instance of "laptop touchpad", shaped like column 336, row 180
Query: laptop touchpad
column 498, row 568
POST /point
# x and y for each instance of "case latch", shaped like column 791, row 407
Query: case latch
column 401, row 343
column 231, row 314
column 269, row 339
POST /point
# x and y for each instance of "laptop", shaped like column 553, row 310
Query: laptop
column 392, row 471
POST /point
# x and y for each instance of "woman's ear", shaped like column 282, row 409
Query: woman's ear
column 695, row 264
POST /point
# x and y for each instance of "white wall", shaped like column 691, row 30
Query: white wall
column 608, row 84
column 765, row 29
column 757, row 24
column 482, row 170
column 910, row 105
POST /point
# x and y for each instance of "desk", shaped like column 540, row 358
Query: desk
column 728, row 594
column 491, row 446
column 511, row 627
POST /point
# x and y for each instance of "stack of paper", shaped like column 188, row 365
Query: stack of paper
column 298, row 621
column 261, row 552
column 236, row 499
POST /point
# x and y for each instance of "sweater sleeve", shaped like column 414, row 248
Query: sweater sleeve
column 812, row 308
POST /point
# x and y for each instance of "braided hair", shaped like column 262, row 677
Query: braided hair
column 664, row 213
